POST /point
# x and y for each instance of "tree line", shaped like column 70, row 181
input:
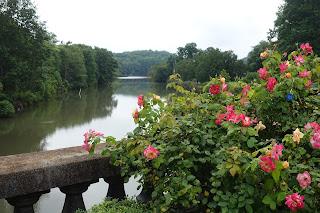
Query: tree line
column 33, row 67
column 297, row 22
column 196, row 64
column 138, row 63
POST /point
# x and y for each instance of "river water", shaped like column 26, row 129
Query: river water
column 62, row 123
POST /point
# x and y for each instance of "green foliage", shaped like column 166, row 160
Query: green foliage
column 106, row 65
column 250, row 77
column 138, row 63
column 33, row 68
column 90, row 64
column 72, row 67
column 199, row 64
column 211, row 144
column 297, row 22
column 6, row 109
column 115, row 206
column 253, row 59
column 189, row 51
column 159, row 73
column 25, row 45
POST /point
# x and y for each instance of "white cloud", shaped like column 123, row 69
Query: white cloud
column 124, row 25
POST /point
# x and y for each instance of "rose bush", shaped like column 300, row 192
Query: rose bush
column 235, row 147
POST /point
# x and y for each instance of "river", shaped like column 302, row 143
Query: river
column 62, row 123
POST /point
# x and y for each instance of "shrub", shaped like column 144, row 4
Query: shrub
column 27, row 98
column 6, row 109
column 235, row 147
column 115, row 206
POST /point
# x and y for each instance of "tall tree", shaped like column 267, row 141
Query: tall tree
column 72, row 68
column 253, row 59
column 22, row 44
column 90, row 64
column 209, row 63
column 297, row 22
column 188, row 51
column 106, row 64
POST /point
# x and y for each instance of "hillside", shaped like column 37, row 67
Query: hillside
column 138, row 63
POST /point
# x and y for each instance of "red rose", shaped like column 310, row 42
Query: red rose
column 214, row 89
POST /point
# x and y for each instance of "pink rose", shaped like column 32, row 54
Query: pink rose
column 263, row 73
column 88, row 136
column 234, row 118
column 218, row 122
column 245, row 90
column 140, row 101
column 276, row 151
column 219, row 119
column 135, row 115
column 304, row 179
column 315, row 140
column 230, row 108
column 304, row 74
column 224, row 87
column 246, row 121
column 299, row 60
column 151, row 153
column 308, row 84
column 284, row 66
column 307, row 48
column 266, row 164
column 294, row 201
column 312, row 125
column 271, row 83
column 86, row 146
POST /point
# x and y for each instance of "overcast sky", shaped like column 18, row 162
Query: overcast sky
column 126, row 25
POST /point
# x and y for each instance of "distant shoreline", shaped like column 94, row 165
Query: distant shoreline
column 133, row 77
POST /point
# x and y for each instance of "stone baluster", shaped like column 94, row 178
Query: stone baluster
column 74, row 199
column 24, row 203
column 145, row 195
column 116, row 187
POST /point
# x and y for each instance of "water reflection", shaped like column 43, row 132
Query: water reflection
column 61, row 123
column 27, row 132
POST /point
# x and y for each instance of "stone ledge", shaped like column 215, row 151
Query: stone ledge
column 40, row 171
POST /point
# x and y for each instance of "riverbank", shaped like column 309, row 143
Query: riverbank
column 61, row 123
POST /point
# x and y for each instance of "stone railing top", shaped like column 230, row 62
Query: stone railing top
column 39, row 171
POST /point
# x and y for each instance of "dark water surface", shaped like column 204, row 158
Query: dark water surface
column 62, row 123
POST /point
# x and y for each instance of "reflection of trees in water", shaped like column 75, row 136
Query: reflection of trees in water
column 32, row 126
column 138, row 86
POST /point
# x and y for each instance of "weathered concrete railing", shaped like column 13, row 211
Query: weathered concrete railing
column 25, row 177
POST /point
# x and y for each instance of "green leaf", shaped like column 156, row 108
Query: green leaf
column 268, row 184
column 276, row 173
column 273, row 205
column 252, row 131
column 267, row 200
column 233, row 171
column 157, row 162
column 281, row 196
column 249, row 208
column 251, row 142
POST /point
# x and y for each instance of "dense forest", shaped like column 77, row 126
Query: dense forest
column 196, row 64
column 138, row 63
column 33, row 67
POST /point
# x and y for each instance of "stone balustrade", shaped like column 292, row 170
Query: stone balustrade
column 25, row 177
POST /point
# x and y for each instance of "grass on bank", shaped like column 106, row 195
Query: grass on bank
column 115, row 206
